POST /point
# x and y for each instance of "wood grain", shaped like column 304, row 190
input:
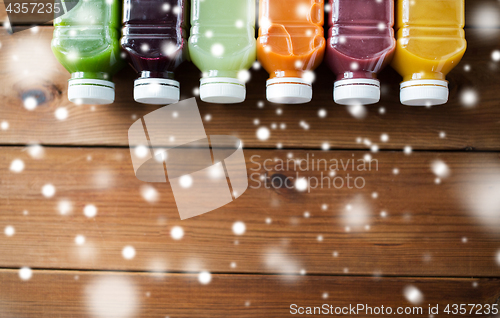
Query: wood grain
column 84, row 294
column 28, row 69
column 446, row 229
column 405, row 221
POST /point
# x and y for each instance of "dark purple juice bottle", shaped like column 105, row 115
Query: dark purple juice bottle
column 154, row 37
column 360, row 44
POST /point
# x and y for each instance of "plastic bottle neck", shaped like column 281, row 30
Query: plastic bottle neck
column 91, row 75
column 152, row 74
column 218, row 73
column 357, row 75
column 425, row 76
column 286, row 73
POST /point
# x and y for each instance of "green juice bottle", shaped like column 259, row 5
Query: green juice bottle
column 87, row 43
column 223, row 46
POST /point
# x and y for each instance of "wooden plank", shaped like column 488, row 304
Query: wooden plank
column 28, row 69
column 479, row 13
column 60, row 294
column 428, row 229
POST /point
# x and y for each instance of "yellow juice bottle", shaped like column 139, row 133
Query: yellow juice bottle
column 430, row 43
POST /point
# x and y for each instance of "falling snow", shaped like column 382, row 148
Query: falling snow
column 495, row 56
column 239, row 228
column 407, row 150
column 141, row 151
column 263, row 133
column 128, row 252
column 356, row 214
column 17, row 165
column 440, row 169
column 217, row 49
column 357, row 111
column 65, row 207
column 61, row 113
column 36, row 151
column 413, row 295
column 304, row 125
column 4, row 125
column 244, row 76
column 301, row 184
column 177, row 233
column 9, row 230
column 309, row 76
column 25, row 273
column 90, row 210
column 48, row 190
column 112, row 296
column 204, row 278
column 486, row 15
column 186, row 181
column 30, row 103
column 469, row 98
column 149, row 193
column 80, row 240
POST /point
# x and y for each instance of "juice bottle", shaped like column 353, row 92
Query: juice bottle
column 86, row 43
column 430, row 43
column 290, row 46
column 154, row 37
column 222, row 43
column 360, row 44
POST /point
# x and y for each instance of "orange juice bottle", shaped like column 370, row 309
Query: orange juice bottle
column 430, row 43
column 290, row 46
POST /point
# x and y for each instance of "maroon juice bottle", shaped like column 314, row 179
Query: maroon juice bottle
column 360, row 44
column 154, row 38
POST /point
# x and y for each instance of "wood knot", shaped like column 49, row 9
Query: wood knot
column 33, row 96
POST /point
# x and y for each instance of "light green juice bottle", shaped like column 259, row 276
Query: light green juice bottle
column 86, row 42
column 223, row 46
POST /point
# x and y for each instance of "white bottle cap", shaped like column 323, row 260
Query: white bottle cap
column 288, row 90
column 91, row 91
column 359, row 91
column 222, row 90
column 156, row 91
column 424, row 92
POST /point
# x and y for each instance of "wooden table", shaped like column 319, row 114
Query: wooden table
column 422, row 235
